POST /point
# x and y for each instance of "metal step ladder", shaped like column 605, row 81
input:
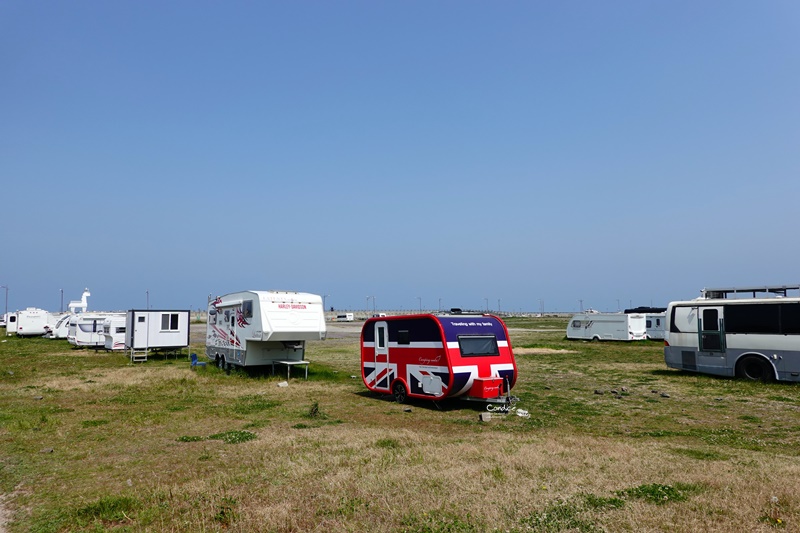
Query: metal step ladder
column 138, row 356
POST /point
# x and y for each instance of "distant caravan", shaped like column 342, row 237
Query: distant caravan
column 752, row 338
column 607, row 327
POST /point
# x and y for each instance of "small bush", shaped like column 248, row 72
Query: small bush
column 659, row 494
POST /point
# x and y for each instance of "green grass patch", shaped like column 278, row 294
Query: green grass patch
column 660, row 494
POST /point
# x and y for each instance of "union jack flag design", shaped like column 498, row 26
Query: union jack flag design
column 435, row 356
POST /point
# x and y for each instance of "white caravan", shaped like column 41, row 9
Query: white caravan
column 254, row 328
column 655, row 324
column 60, row 329
column 31, row 322
column 114, row 332
column 607, row 327
column 148, row 329
column 11, row 324
column 86, row 329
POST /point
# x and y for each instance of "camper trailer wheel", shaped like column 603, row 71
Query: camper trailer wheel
column 754, row 368
column 399, row 392
column 220, row 362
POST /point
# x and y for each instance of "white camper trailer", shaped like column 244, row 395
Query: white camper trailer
column 607, row 327
column 148, row 329
column 60, row 329
column 86, row 329
column 114, row 332
column 655, row 320
column 11, row 324
column 31, row 322
column 654, row 324
column 254, row 328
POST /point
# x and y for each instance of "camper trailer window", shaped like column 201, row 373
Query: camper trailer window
column 576, row 323
column 247, row 308
column 403, row 337
column 381, row 337
column 478, row 345
column 141, row 319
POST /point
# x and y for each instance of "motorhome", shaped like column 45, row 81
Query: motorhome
column 31, row 322
column 438, row 356
column 607, row 327
column 86, row 329
column 722, row 334
column 114, row 332
column 257, row 328
column 162, row 330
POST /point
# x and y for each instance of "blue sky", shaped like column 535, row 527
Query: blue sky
column 477, row 154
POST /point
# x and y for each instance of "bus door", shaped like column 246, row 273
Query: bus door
column 383, row 378
column 711, row 330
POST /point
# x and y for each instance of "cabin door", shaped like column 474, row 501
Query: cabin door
column 140, row 331
column 383, row 378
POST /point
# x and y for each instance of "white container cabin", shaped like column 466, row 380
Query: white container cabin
column 256, row 328
column 114, row 332
column 607, row 327
column 86, row 329
column 150, row 329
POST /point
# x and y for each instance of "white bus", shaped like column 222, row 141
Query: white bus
column 756, row 339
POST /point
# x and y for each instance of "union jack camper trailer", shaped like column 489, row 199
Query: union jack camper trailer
column 258, row 328
column 437, row 357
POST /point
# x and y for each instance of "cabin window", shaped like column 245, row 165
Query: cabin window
column 169, row 322
column 403, row 337
column 576, row 323
column 247, row 308
column 478, row 345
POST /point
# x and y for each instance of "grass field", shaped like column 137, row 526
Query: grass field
column 614, row 442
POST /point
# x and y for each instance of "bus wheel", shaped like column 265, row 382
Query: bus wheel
column 399, row 392
column 754, row 368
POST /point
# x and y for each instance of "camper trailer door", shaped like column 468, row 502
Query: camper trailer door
column 382, row 380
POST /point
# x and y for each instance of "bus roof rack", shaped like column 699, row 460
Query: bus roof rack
column 778, row 290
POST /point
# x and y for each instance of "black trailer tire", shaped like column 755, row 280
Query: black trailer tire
column 221, row 362
column 754, row 368
column 399, row 392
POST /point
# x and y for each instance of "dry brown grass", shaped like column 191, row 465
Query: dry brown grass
column 367, row 464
